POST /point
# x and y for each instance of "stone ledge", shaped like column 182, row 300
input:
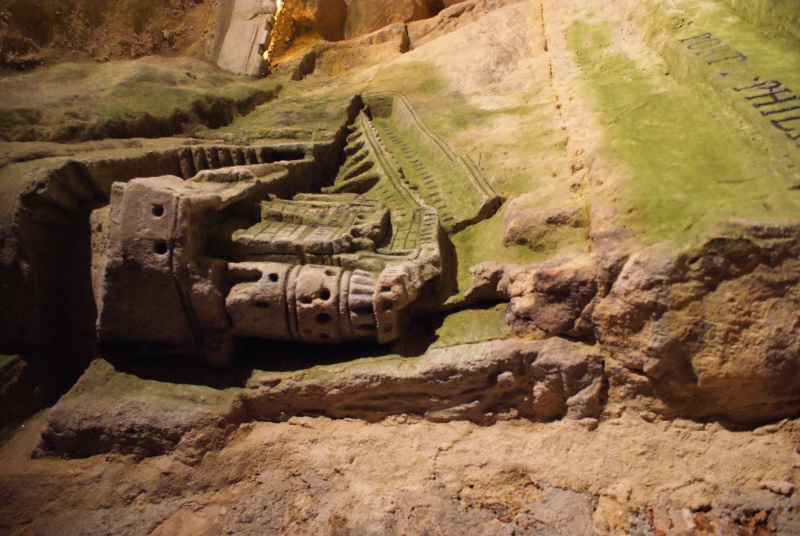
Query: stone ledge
column 111, row 411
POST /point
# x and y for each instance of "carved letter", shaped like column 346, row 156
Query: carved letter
column 777, row 123
column 767, row 86
column 773, row 99
column 773, row 112
column 701, row 36
column 706, row 44
column 738, row 55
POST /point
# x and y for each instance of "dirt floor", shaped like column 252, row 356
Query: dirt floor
column 405, row 476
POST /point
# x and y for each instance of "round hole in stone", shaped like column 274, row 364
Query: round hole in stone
column 305, row 299
column 273, row 277
column 387, row 329
column 386, row 288
column 261, row 304
column 330, row 273
column 160, row 247
column 325, row 294
column 158, row 210
column 323, row 318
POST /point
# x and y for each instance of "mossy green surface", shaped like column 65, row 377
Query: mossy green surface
column 691, row 163
column 525, row 134
column 103, row 381
column 767, row 56
column 48, row 102
column 304, row 112
column 775, row 17
column 492, row 138
column 161, row 91
column 675, row 29
column 484, row 242
column 472, row 326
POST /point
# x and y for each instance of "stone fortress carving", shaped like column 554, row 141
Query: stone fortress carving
column 233, row 251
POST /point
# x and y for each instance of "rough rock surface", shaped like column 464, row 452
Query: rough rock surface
column 111, row 411
column 114, row 411
column 366, row 16
column 541, row 381
column 405, row 476
column 21, row 387
column 73, row 29
column 677, row 327
column 657, row 342
column 715, row 329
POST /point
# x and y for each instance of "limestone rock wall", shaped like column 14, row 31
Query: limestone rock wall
column 709, row 333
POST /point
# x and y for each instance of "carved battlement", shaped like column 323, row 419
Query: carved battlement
column 233, row 252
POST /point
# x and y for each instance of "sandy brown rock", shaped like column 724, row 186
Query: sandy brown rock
column 553, row 299
column 366, row 16
column 490, row 281
column 403, row 476
column 325, row 18
column 558, row 297
column 110, row 411
column 541, row 380
column 99, row 30
column 714, row 329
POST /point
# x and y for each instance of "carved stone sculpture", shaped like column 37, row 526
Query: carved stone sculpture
column 194, row 264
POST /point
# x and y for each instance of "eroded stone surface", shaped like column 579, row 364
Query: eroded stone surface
column 715, row 328
column 249, row 27
column 110, row 411
column 113, row 411
column 402, row 475
column 706, row 333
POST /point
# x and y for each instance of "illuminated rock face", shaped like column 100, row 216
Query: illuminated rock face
column 247, row 37
column 194, row 264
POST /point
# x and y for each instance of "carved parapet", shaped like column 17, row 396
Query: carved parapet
column 316, row 304
column 157, row 287
column 313, row 228
column 240, row 249
column 168, row 285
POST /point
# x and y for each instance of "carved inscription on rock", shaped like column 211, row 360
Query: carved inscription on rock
column 774, row 101
column 712, row 49
column 777, row 103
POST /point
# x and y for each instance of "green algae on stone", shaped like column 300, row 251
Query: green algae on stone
column 512, row 145
column 781, row 17
column 484, row 242
column 692, row 166
column 298, row 115
column 705, row 44
column 143, row 98
column 106, row 382
column 472, row 326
